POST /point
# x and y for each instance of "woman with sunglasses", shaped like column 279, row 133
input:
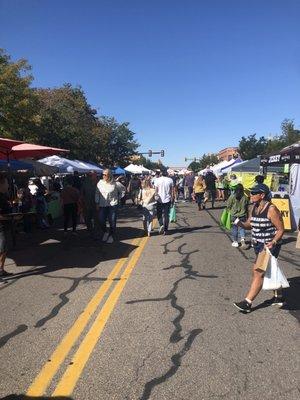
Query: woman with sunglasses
column 266, row 224
column 107, row 198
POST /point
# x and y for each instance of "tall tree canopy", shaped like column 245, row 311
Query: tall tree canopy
column 67, row 121
column 18, row 102
column 251, row 147
column 115, row 142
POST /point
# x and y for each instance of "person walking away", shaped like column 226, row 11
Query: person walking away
column 147, row 201
column 107, row 198
column 164, row 197
column 220, row 188
column 181, row 187
column 69, row 198
column 122, row 180
column 199, row 190
column 237, row 205
column 134, row 189
column 210, row 193
column 266, row 224
column 88, row 191
column 189, row 183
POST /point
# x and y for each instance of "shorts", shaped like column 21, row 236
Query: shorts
column 258, row 248
column 3, row 241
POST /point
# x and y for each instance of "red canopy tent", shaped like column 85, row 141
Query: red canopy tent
column 15, row 149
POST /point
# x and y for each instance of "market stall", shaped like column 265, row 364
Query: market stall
column 246, row 172
column 290, row 155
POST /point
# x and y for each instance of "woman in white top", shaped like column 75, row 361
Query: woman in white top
column 147, row 201
column 107, row 197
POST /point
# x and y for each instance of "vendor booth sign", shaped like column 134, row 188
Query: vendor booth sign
column 283, row 206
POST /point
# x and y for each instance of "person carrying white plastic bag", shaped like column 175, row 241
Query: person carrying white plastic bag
column 274, row 278
column 266, row 224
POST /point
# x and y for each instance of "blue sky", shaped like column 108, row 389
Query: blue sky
column 190, row 76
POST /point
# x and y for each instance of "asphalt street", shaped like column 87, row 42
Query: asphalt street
column 145, row 318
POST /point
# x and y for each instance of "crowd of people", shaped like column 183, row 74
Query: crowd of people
column 95, row 201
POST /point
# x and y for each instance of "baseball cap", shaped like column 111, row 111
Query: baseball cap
column 260, row 188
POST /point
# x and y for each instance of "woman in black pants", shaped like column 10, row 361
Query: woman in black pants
column 69, row 197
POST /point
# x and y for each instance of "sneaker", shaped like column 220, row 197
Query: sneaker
column 234, row 244
column 244, row 245
column 161, row 229
column 110, row 239
column 275, row 301
column 105, row 236
column 243, row 306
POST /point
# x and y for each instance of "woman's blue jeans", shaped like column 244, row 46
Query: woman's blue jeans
column 238, row 230
column 110, row 214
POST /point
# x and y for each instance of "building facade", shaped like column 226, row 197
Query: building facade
column 228, row 153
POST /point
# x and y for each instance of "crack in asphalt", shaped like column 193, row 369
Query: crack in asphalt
column 20, row 329
column 176, row 360
column 176, row 336
column 64, row 300
column 55, row 310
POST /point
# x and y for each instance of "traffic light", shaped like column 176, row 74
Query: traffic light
column 185, row 159
column 150, row 153
column 162, row 153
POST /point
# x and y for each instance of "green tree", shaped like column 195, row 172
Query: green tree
column 289, row 134
column 115, row 142
column 18, row 102
column 251, row 147
column 195, row 166
column 67, row 121
column 149, row 164
column 208, row 159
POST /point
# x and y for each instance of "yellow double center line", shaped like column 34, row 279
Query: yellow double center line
column 69, row 379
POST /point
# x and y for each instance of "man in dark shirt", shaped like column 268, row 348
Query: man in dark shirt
column 210, row 183
column 4, row 209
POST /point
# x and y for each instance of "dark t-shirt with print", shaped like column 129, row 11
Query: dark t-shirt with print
column 4, row 209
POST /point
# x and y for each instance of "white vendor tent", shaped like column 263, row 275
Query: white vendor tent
column 66, row 166
column 137, row 169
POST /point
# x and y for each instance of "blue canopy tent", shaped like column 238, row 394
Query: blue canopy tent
column 15, row 165
column 118, row 171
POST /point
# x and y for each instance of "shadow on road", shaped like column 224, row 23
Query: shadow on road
column 52, row 257
column 291, row 296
